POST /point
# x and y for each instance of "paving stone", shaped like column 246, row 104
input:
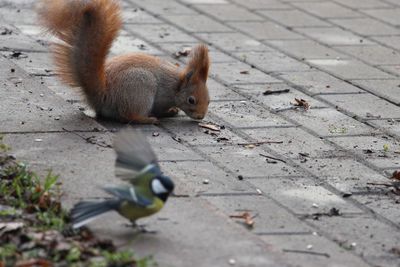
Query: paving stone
column 129, row 44
column 352, row 177
column 266, row 222
column 349, row 69
column 265, row 30
column 390, row 125
column 272, row 61
column 134, row 15
column 391, row 69
column 366, row 26
column 388, row 15
column 328, row 122
column 364, row 4
column 393, row 41
column 306, row 49
column 189, row 179
column 364, row 105
column 161, row 34
column 34, row 63
column 215, row 55
column 230, row 73
column 233, row 42
column 277, row 101
column 294, row 141
column 218, row 92
column 246, row 114
column 82, row 174
column 17, row 41
column 189, row 131
column 323, row 252
column 387, row 89
column 333, row 36
column 262, row 4
column 214, row 2
column 381, row 202
column 327, row 9
column 194, row 222
column 246, row 161
column 293, row 18
column 229, row 12
column 370, row 236
column 317, row 82
column 160, row 7
column 199, row 23
column 373, row 54
column 303, row 195
column 17, row 15
column 42, row 110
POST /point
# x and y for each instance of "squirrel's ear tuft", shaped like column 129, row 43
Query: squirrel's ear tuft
column 199, row 63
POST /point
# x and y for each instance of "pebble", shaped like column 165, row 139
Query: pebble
column 259, row 191
column 314, row 205
column 38, row 140
column 232, row 261
column 309, row 247
column 206, row 181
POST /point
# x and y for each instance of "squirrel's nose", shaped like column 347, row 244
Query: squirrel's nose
column 198, row 116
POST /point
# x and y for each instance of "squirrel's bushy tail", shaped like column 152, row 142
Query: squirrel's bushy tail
column 87, row 29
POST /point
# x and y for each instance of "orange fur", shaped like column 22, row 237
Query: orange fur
column 87, row 29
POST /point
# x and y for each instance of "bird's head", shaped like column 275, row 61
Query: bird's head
column 162, row 186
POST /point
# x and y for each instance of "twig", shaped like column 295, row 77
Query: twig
column 381, row 184
column 269, row 157
column 307, row 252
column 261, row 143
column 271, row 92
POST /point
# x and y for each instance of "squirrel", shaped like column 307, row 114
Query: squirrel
column 133, row 87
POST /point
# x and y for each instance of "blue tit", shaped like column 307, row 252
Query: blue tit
column 148, row 188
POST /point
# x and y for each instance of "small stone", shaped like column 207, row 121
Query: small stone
column 240, row 177
column 309, row 247
column 353, row 244
column 259, row 191
column 41, row 95
column 12, row 70
column 206, row 181
column 314, row 233
column 57, row 118
column 38, row 140
column 232, row 261
column 155, row 134
column 315, row 205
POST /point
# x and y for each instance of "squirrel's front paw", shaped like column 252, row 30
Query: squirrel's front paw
column 143, row 120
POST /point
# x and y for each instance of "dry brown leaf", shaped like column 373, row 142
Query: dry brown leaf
column 210, row 126
column 396, row 175
column 246, row 216
column 33, row 263
column 10, row 226
column 184, row 52
column 301, row 103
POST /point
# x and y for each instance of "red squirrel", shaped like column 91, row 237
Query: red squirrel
column 133, row 87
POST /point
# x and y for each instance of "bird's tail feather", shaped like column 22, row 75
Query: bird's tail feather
column 86, row 211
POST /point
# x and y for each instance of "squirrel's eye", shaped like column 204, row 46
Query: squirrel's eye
column 191, row 100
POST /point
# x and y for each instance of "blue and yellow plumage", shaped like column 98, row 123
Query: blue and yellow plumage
column 147, row 192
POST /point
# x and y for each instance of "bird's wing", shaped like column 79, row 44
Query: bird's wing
column 134, row 153
column 129, row 194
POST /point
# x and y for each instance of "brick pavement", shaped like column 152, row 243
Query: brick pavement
column 339, row 55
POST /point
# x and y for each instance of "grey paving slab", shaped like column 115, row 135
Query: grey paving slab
column 247, row 161
column 390, row 125
column 371, row 245
column 388, row 15
column 272, row 61
column 160, row 7
column 317, row 82
column 364, row 105
column 15, row 41
column 293, row 18
column 364, row 4
column 130, row 44
column 195, row 223
column 218, row 91
column 265, row 30
column 229, row 12
column 34, row 63
column 350, row 69
column 333, row 36
column 366, row 26
column 388, row 89
column 238, row 73
column 199, row 23
column 328, row 122
column 373, row 54
column 295, row 141
column 306, row 49
column 327, row 9
column 134, row 15
column 277, row 101
column 392, row 41
column 233, row 42
column 262, row 4
column 161, row 34
column 392, row 69
column 303, row 195
column 244, row 114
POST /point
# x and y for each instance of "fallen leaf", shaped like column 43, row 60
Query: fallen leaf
column 396, row 175
column 246, row 216
column 210, row 126
column 244, row 72
column 301, row 103
column 184, row 52
column 10, row 226
column 33, row 263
